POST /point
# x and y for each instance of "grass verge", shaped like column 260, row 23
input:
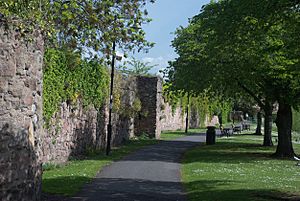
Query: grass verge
column 239, row 168
column 171, row 135
column 67, row 180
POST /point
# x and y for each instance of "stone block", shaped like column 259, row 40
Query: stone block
column 12, row 102
column 31, row 83
column 21, row 64
column 7, row 61
column 28, row 100
column 3, row 85
column 16, row 88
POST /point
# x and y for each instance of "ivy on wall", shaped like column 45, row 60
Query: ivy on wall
column 119, row 93
column 68, row 77
column 206, row 104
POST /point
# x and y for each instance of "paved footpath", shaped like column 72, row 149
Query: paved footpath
column 150, row 174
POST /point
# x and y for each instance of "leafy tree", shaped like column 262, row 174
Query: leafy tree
column 243, row 47
column 83, row 24
column 136, row 67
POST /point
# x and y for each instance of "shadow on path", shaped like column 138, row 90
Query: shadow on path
column 152, row 173
column 116, row 189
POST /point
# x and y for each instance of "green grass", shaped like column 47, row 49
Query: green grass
column 198, row 130
column 296, row 136
column 170, row 135
column 69, row 179
column 239, row 168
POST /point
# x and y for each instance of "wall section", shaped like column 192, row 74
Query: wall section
column 20, row 114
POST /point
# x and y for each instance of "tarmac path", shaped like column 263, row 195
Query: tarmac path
column 150, row 174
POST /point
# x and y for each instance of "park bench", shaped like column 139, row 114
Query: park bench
column 227, row 131
column 237, row 129
column 246, row 126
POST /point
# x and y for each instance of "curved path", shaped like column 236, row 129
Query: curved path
column 150, row 174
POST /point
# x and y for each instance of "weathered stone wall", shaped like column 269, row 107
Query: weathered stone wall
column 76, row 130
column 175, row 119
column 171, row 120
column 123, row 126
column 20, row 114
column 148, row 120
column 73, row 131
column 122, row 121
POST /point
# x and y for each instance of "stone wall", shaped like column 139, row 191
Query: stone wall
column 73, row 131
column 20, row 114
column 123, row 120
column 175, row 119
column 148, row 120
column 171, row 119
column 76, row 130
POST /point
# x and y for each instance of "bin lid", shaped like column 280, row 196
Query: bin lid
column 210, row 127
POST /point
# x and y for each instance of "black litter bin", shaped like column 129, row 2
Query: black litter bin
column 211, row 135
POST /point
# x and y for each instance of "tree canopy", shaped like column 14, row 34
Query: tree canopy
column 251, row 47
column 84, row 24
column 136, row 67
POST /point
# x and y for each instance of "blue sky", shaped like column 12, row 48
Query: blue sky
column 167, row 15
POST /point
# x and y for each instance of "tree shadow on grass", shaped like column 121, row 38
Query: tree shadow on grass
column 242, row 194
column 171, row 151
column 229, row 152
column 122, row 189
column 220, row 190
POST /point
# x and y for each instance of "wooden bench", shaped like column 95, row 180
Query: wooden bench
column 227, row 131
column 246, row 126
column 238, row 129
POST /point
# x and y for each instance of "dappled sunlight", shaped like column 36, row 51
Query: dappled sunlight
column 246, row 171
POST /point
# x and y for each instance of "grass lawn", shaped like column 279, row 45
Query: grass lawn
column 239, row 168
column 170, row 135
column 69, row 179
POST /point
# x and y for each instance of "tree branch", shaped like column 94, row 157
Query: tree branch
column 251, row 93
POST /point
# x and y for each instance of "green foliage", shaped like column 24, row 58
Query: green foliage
column 171, row 96
column 136, row 67
column 238, row 47
column 132, row 111
column 296, row 121
column 137, row 105
column 32, row 13
column 117, row 93
column 83, row 23
column 67, row 78
column 206, row 104
column 241, row 47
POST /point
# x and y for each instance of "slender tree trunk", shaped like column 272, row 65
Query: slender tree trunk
column 268, row 126
column 187, row 115
column 284, row 122
column 259, row 123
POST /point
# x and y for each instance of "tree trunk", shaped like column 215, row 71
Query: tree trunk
column 259, row 123
column 187, row 114
column 268, row 126
column 284, row 122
